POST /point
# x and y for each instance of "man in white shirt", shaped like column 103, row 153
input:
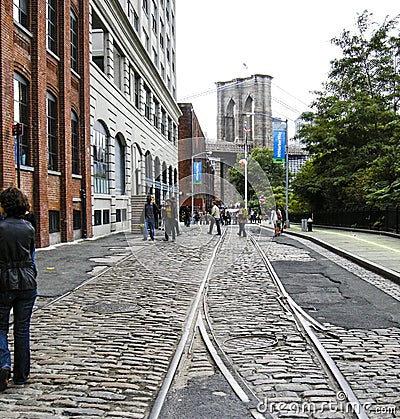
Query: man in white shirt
column 215, row 218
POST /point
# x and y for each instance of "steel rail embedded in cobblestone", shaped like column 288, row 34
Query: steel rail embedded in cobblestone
column 188, row 329
column 306, row 321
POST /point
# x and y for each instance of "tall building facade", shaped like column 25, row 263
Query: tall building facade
column 133, row 109
column 44, row 91
column 91, row 84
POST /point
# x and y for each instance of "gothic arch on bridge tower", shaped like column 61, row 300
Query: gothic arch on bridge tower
column 230, row 121
column 248, row 111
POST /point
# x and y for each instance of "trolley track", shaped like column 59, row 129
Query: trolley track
column 299, row 320
column 229, row 298
column 235, row 372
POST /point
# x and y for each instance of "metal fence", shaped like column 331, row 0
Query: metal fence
column 367, row 218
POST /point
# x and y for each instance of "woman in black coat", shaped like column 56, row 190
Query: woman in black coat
column 18, row 287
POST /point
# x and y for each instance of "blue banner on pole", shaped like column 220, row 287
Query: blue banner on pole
column 279, row 144
column 197, row 172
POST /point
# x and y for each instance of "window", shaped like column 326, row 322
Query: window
column 169, row 136
column 119, row 166
column 156, row 112
column 147, row 105
column 51, row 17
column 148, row 163
column 168, row 48
column 98, row 42
column 162, row 32
column 20, row 12
column 154, row 24
column 120, row 215
column 21, row 115
column 97, row 217
column 106, row 216
column 100, row 159
column 136, row 22
column 155, row 57
column 162, row 71
column 163, row 121
column 75, row 143
column 146, row 6
column 146, row 40
column 54, row 221
column 74, row 41
column 118, row 67
column 77, row 219
column 52, row 139
column 137, row 90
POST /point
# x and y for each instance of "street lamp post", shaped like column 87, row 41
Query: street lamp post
column 245, row 167
column 287, row 175
column 193, row 156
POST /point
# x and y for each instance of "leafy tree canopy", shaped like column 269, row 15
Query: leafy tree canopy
column 265, row 178
column 353, row 132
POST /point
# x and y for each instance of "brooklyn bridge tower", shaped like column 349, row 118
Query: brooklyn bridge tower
column 244, row 115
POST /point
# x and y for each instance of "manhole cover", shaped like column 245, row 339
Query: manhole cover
column 251, row 342
column 113, row 307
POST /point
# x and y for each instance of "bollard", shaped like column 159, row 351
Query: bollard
column 309, row 224
column 304, row 224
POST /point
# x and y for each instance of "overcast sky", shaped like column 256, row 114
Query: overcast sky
column 289, row 40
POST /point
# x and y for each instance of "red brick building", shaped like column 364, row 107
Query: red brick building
column 191, row 143
column 44, row 86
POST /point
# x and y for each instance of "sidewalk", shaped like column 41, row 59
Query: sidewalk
column 377, row 251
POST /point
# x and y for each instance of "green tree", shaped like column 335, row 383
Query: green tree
column 353, row 133
column 264, row 178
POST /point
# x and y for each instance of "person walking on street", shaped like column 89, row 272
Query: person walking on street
column 176, row 221
column 148, row 219
column 18, row 286
column 274, row 221
column 170, row 215
column 242, row 219
column 156, row 212
column 215, row 219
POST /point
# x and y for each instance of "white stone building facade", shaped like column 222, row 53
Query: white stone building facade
column 133, row 109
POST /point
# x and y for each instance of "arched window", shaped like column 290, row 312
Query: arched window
column 136, row 158
column 230, row 121
column 119, row 166
column 76, row 169
column 21, row 115
column 148, row 166
column 157, row 169
column 100, row 158
column 170, row 176
column 164, row 173
column 248, row 110
column 52, row 134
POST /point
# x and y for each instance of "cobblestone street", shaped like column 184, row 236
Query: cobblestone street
column 103, row 350
column 103, row 344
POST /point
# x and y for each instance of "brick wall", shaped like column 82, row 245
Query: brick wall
column 28, row 56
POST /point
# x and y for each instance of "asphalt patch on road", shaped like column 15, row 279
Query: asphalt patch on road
column 204, row 398
column 332, row 294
